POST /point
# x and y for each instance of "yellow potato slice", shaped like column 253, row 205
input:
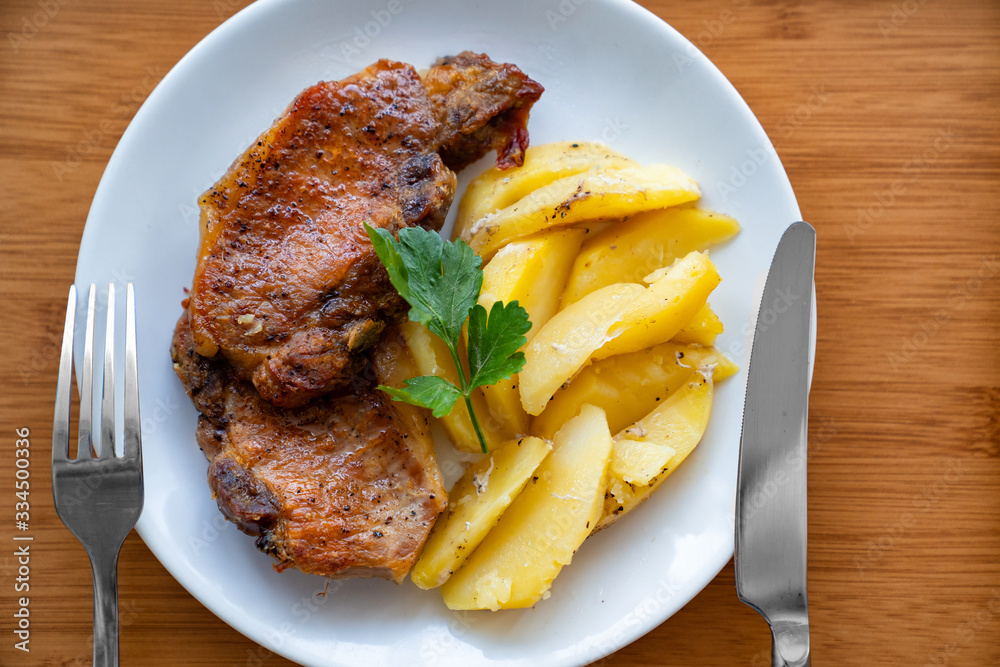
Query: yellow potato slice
column 475, row 504
column 532, row 272
column 503, row 404
column 703, row 328
column 565, row 343
column 627, row 251
column 432, row 358
column 592, row 195
column 672, row 300
column 495, row 189
column 630, row 386
column 616, row 319
column 678, row 424
column 544, row 526
column 637, row 462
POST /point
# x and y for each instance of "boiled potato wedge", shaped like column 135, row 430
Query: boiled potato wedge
column 674, row 428
column 703, row 328
column 564, row 345
column 495, row 189
column 593, row 195
column 629, row 386
column 616, row 319
column 544, row 526
column 637, row 462
column 432, row 358
column 670, row 302
column 504, row 404
column 628, row 251
column 475, row 504
column 532, row 272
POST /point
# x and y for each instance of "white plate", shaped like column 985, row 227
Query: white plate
column 612, row 71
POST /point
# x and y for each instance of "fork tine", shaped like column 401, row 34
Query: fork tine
column 85, row 441
column 64, row 385
column 133, row 437
column 108, row 388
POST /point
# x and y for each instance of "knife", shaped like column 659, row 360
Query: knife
column 771, row 489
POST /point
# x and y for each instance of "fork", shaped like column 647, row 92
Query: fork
column 99, row 495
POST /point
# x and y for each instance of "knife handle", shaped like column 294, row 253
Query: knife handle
column 794, row 649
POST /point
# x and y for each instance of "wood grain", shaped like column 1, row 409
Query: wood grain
column 887, row 119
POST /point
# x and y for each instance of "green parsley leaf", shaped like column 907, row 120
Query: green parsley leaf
column 494, row 342
column 441, row 281
column 459, row 286
column 385, row 248
column 427, row 391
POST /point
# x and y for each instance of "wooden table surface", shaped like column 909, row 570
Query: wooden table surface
column 886, row 117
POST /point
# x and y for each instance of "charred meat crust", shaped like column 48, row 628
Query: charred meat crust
column 481, row 106
column 204, row 379
column 243, row 499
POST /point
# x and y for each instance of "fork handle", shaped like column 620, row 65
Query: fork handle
column 105, row 569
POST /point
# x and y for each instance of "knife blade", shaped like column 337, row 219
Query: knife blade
column 771, row 488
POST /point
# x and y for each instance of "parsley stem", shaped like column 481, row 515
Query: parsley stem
column 467, row 394
column 475, row 423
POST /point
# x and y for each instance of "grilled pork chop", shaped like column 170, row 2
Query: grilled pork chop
column 287, row 286
column 346, row 486
column 284, row 337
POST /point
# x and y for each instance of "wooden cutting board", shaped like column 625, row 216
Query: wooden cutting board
column 887, row 118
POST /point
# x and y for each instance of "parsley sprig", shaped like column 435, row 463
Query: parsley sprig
column 441, row 281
